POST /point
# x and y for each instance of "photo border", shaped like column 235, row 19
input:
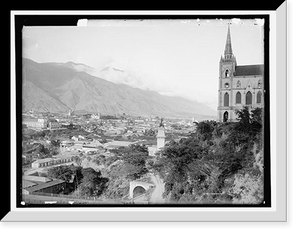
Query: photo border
column 181, row 210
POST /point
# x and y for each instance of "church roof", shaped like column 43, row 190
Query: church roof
column 248, row 70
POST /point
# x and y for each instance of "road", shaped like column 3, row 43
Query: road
column 157, row 195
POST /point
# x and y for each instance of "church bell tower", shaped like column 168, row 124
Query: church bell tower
column 227, row 68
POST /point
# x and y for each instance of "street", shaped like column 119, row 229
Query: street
column 157, row 195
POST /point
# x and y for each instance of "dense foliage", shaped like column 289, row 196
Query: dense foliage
column 86, row 181
column 65, row 172
column 220, row 163
column 128, row 163
column 93, row 184
column 37, row 150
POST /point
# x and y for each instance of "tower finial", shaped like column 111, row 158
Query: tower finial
column 161, row 123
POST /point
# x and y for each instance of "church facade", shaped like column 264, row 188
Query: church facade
column 239, row 85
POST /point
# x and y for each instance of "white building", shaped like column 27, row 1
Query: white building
column 160, row 141
column 117, row 144
column 71, row 112
column 59, row 159
column 39, row 123
column 96, row 116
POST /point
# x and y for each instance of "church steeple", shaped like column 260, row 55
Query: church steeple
column 228, row 48
column 227, row 61
column 228, row 53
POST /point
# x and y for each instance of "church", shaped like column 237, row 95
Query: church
column 239, row 85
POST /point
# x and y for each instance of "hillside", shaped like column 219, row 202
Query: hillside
column 58, row 87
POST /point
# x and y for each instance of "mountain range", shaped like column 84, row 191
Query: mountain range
column 59, row 87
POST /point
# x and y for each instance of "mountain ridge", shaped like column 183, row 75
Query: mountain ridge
column 63, row 87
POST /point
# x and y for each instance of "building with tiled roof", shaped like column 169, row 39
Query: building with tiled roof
column 53, row 186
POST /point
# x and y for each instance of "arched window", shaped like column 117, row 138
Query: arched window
column 259, row 84
column 227, row 73
column 258, row 98
column 238, row 83
column 225, row 116
column 226, row 99
column 238, row 98
column 248, row 98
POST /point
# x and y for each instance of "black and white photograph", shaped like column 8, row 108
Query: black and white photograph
column 144, row 112
column 151, row 112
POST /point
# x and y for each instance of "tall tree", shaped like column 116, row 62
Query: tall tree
column 248, row 129
column 249, row 121
column 61, row 172
column 134, row 160
column 92, row 183
column 204, row 129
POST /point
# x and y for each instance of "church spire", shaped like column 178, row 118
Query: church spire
column 228, row 49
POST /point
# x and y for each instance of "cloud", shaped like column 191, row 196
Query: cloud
column 122, row 73
column 29, row 45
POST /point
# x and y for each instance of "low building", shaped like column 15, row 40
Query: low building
column 111, row 133
column 78, row 139
column 53, row 124
column 65, row 145
column 96, row 116
column 92, row 145
column 152, row 123
column 71, row 112
column 61, row 159
column 53, row 186
column 42, row 163
column 152, row 150
column 58, row 159
column 117, row 144
column 36, row 178
column 27, row 184
column 35, row 123
column 89, row 149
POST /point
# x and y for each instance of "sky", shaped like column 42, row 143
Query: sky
column 172, row 57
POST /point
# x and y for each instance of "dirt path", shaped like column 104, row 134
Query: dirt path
column 157, row 195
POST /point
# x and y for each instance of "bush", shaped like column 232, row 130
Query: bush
column 247, row 189
column 92, row 183
column 204, row 129
column 99, row 160
column 220, row 163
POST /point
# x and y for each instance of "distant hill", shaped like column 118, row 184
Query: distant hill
column 58, row 87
